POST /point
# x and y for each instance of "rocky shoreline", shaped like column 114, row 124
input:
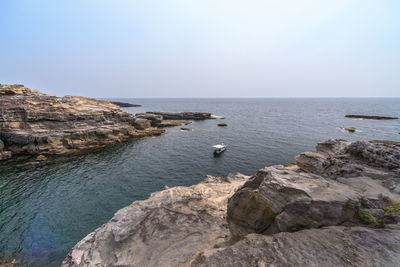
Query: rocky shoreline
column 38, row 124
column 338, row 206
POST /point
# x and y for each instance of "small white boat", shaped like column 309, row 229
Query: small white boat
column 219, row 148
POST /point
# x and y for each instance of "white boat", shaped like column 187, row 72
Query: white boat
column 219, row 148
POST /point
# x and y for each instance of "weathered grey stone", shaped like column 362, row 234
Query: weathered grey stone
column 329, row 247
column 279, row 200
column 339, row 158
column 168, row 229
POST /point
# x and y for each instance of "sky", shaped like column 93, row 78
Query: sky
column 207, row 48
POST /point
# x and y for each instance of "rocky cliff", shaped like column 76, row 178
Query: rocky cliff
column 338, row 206
column 33, row 123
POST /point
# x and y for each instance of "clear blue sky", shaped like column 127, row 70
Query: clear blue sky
column 202, row 48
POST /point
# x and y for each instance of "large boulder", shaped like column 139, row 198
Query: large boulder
column 279, row 200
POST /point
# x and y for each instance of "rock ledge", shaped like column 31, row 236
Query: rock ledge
column 33, row 123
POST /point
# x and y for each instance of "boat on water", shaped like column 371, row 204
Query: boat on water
column 218, row 149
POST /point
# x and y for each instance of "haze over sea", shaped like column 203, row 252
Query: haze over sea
column 45, row 211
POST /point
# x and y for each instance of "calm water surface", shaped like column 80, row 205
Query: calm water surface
column 45, row 211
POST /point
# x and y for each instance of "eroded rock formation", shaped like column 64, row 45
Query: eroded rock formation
column 35, row 123
column 338, row 206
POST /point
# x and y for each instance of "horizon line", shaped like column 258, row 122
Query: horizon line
column 251, row 97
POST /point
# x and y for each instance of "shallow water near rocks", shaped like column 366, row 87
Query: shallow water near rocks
column 44, row 211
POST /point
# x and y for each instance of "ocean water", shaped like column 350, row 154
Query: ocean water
column 45, row 211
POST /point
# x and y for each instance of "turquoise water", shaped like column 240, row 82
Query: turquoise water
column 45, row 211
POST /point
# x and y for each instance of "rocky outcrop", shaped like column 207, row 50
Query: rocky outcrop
column 165, row 230
column 339, row 158
column 124, row 104
column 33, row 123
column 184, row 115
column 338, row 206
column 279, row 200
column 370, row 117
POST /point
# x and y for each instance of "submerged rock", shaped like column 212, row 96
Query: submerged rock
column 33, row 123
column 350, row 130
column 222, row 124
column 338, row 206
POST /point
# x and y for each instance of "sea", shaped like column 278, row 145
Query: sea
column 45, row 211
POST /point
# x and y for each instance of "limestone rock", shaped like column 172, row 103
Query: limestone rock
column 35, row 123
column 168, row 229
column 279, row 200
column 329, row 247
column 339, row 158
